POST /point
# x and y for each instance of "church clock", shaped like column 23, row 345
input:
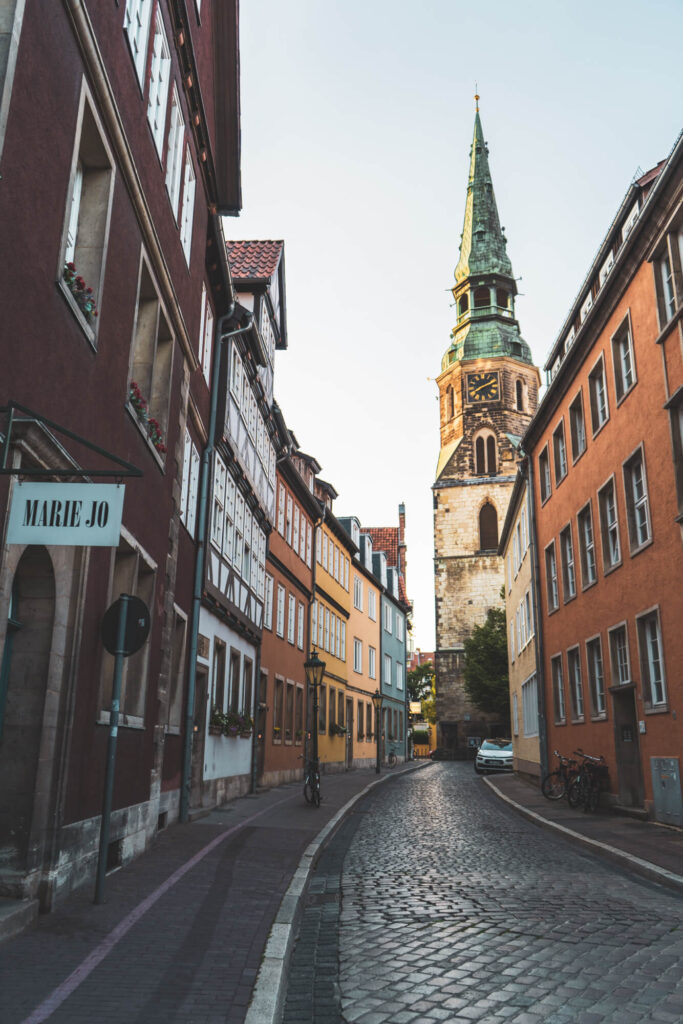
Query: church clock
column 483, row 387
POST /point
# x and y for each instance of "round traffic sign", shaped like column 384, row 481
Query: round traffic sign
column 138, row 622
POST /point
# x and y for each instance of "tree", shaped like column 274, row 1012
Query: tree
column 429, row 706
column 419, row 681
column 486, row 665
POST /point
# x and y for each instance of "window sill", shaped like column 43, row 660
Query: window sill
column 562, row 722
column 626, row 394
column 125, row 721
column 579, row 721
column 600, row 428
column 641, row 547
column 568, row 600
column 576, row 458
column 587, row 586
column 145, row 436
column 553, row 611
column 661, row 709
column 88, row 329
column 546, row 499
column 602, row 717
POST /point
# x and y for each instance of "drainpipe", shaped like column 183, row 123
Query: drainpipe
column 536, row 592
column 200, row 562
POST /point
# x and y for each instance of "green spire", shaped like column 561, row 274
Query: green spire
column 485, row 288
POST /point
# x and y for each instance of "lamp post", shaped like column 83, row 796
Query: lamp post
column 377, row 700
column 315, row 670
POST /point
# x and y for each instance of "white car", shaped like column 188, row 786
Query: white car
column 494, row 755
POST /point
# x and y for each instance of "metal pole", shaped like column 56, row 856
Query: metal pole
column 316, row 766
column 377, row 714
column 111, row 748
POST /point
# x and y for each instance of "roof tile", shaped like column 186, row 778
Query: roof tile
column 254, row 259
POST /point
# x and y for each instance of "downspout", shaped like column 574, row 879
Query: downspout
column 535, row 590
column 200, row 562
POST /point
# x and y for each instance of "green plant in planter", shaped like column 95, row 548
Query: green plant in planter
column 246, row 724
column 298, row 734
column 337, row 730
column 232, row 723
column 217, row 718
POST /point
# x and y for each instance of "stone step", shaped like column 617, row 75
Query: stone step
column 15, row 915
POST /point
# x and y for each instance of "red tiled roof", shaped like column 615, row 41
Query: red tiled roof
column 384, row 538
column 254, row 259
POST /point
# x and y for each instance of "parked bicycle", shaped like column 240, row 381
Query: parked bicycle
column 556, row 784
column 312, row 783
column 391, row 758
column 591, row 779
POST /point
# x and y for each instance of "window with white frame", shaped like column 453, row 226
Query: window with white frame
column 268, row 604
column 372, row 605
column 568, row 570
column 619, row 655
column 651, row 659
column 372, row 656
column 343, row 641
column 544, row 474
column 346, row 573
column 314, row 624
column 357, row 655
column 668, row 295
column 637, row 502
column 136, row 21
column 558, row 688
column 205, row 335
column 152, row 362
column 575, row 683
column 609, row 526
column 229, row 520
column 159, row 81
column 236, row 373
column 386, row 676
column 589, row 572
column 319, row 545
column 597, row 388
column 327, row 630
column 245, row 568
column 325, row 547
column 174, row 152
column 357, row 592
column 577, row 427
column 560, row 453
column 586, row 307
column 512, row 642
column 281, row 509
column 388, row 619
column 515, row 715
column 551, row 577
column 321, row 627
column 338, row 632
column 302, row 538
column 280, row 620
column 295, row 533
column 309, row 544
column 300, row 626
column 530, row 706
column 187, row 212
column 291, row 616
column 238, row 553
column 399, row 627
column 218, row 513
column 399, row 675
column 188, row 487
column 289, row 523
column 624, row 362
column 528, row 607
column 596, row 676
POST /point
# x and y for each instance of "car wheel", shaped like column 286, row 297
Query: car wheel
column 478, row 770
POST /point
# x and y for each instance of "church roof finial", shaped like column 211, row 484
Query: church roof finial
column 476, row 97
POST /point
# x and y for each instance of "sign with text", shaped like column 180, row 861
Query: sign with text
column 75, row 515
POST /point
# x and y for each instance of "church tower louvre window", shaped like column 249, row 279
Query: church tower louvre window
column 488, row 390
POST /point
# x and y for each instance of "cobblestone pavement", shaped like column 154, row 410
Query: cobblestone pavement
column 435, row 902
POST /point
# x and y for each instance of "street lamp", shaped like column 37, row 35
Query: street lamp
column 377, row 700
column 315, row 670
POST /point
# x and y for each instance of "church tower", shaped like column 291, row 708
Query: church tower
column 488, row 392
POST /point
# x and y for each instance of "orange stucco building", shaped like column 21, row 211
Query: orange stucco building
column 606, row 475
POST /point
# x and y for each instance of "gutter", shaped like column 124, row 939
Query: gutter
column 536, row 596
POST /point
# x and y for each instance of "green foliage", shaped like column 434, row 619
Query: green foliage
column 486, row 665
column 420, row 681
column 429, row 706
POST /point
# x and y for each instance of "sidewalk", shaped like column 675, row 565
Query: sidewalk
column 650, row 849
column 184, row 927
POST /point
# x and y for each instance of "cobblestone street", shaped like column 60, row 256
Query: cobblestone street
column 451, row 907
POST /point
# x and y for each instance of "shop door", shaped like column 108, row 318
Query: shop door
column 627, row 747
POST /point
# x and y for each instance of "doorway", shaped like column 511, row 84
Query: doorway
column 627, row 747
column 349, row 734
column 198, row 734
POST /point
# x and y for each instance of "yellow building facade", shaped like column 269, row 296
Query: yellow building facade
column 363, row 655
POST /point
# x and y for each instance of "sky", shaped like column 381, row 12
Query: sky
column 357, row 119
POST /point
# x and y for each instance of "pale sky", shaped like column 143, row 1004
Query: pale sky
column 357, row 120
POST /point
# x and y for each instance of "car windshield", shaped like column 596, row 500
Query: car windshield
column 496, row 745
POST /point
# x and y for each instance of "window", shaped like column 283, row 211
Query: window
column 322, row 710
column 372, row 605
column 247, row 694
column 321, row 627
column 568, row 571
column 291, row 614
column 369, row 719
column 637, row 504
column 188, row 487
column 586, row 307
column 235, row 672
column 530, row 706
column 551, row 577
column 340, row 709
column 357, row 655
column 589, row 572
column 300, row 630
column 675, row 406
column 598, row 396
column 278, row 704
column 386, row 676
column 577, row 427
column 299, row 715
column 575, row 684
column 295, row 535
column 528, row 607
column 560, row 453
column 515, row 715
column 327, row 629
column 325, row 551
column 651, row 659
column 346, row 573
column 302, row 539
column 596, row 678
column 372, row 654
column 289, row 711
column 624, row 364
column 388, row 624
column 343, row 641
column 159, row 79
column 519, row 395
column 488, row 528
column 281, row 510
column 136, row 22
column 309, row 534
column 669, row 303
column 332, row 719
column 485, row 453
column 280, row 622
column 268, row 605
column 399, row 626
column 218, row 682
column 87, row 214
column 619, row 655
column 174, row 711
column 174, row 152
column 558, row 688
column 609, row 526
column 360, row 729
column 399, row 675
column 289, row 522
column 512, row 643
column 544, row 474
column 205, row 335
column 357, row 593
column 187, row 213
column 152, row 361
column 338, row 632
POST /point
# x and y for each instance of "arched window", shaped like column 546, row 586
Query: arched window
column 488, row 528
column 502, row 298
column 464, row 304
column 480, row 456
column 519, row 390
column 491, row 454
column 482, row 297
column 450, row 402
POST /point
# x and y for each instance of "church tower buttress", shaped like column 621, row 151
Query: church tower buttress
column 488, row 392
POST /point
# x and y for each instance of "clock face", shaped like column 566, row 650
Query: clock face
column 483, row 387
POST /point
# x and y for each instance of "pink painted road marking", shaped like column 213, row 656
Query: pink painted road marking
column 87, row 966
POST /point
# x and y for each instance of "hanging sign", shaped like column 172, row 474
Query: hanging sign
column 75, row 515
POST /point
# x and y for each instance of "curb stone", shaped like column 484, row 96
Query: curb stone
column 268, row 996
column 641, row 867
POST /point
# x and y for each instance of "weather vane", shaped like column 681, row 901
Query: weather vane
column 476, row 95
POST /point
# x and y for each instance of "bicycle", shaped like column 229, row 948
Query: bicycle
column 391, row 758
column 585, row 790
column 556, row 784
column 312, row 784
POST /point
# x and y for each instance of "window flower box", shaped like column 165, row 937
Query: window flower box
column 83, row 295
column 139, row 403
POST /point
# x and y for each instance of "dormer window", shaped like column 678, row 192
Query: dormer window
column 605, row 268
column 630, row 221
column 355, row 533
column 587, row 306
